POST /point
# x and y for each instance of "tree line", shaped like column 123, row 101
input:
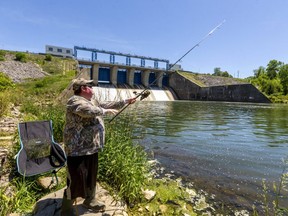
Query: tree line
column 272, row 80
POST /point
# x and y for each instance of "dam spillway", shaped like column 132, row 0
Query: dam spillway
column 106, row 92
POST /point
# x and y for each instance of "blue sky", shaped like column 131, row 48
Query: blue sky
column 254, row 32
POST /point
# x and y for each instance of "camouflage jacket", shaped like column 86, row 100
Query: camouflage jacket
column 84, row 131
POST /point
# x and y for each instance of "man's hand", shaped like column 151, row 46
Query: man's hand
column 110, row 111
column 130, row 100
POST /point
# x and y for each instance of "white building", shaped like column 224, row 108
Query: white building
column 59, row 51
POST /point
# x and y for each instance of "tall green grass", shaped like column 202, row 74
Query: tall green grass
column 122, row 164
column 19, row 197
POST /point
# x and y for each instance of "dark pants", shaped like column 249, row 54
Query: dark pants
column 81, row 176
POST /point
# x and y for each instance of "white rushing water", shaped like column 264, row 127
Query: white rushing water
column 110, row 93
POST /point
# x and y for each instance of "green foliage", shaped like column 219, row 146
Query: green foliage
column 218, row 72
column 22, row 198
column 273, row 68
column 4, row 103
column 272, row 86
column 5, row 82
column 122, row 164
column 56, row 113
column 283, row 75
column 2, row 55
column 170, row 196
column 271, row 202
column 48, row 57
column 273, row 80
column 259, row 72
column 22, row 57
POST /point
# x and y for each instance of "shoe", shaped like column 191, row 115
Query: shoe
column 67, row 207
column 93, row 204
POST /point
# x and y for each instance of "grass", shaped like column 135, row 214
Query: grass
column 123, row 165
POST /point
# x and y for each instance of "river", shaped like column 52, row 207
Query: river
column 225, row 149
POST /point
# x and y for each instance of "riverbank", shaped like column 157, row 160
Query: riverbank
column 37, row 99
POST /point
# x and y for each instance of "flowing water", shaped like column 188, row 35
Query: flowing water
column 226, row 149
column 106, row 92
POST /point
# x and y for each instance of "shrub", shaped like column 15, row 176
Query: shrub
column 5, row 82
column 48, row 57
column 2, row 55
column 21, row 57
column 4, row 103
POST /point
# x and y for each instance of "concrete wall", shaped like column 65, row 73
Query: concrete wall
column 184, row 88
column 187, row 90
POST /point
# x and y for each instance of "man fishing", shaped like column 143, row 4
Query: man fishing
column 84, row 137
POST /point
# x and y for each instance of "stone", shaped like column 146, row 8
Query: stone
column 163, row 208
column 191, row 192
column 48, row 182
column 149, row 194
column 51, row 204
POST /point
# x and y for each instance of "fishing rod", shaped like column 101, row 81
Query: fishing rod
column 145, row 93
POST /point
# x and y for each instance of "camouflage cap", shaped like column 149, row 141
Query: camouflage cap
column 77, row 83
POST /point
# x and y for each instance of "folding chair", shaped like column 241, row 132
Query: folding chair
column 39, row 152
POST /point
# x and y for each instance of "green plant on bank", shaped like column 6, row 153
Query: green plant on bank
column 22, row 57
column 2, row 55
column 170, row 199
column 4, row 104
column 272, row 203
column 272, row 81
column 21, row 199
column 122, row 164
column 5, row 84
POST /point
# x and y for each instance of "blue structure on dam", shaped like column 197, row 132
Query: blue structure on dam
column 121, row 68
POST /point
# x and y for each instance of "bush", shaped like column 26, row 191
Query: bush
column 21, row 57
column 48, row 57
column 4, row 103
column 5, row 82
column 2, row 55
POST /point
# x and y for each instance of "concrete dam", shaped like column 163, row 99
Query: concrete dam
column 115, row 80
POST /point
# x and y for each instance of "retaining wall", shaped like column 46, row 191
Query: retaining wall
column 188, row 90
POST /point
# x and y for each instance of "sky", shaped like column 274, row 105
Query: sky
column 253, row 33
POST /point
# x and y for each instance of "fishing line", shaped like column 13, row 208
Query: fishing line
column 145, row 93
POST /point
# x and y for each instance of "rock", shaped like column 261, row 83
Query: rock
column 201, row 204
column 149, row 194
column 163, row 208
column 51, row 205
column 48, row 182
column 191, row 192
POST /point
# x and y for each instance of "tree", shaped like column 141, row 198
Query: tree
column 218, row 72
column 273, row 68
column 259, row 72
column 283, row 76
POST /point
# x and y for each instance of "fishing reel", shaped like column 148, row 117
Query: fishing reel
column 144, row 94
